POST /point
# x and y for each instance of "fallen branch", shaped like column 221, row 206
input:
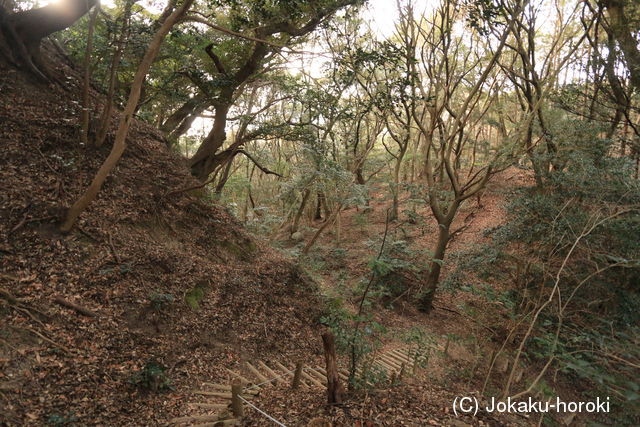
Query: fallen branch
column 49, row 340
column 18, row 305
column 80, row 309
column 113, row 249
column 4, row 294
column 25, row 221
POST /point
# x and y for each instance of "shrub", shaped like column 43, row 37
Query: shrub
column 398, row 269
column 580, row 230
column 356, row 343
column 152, row 377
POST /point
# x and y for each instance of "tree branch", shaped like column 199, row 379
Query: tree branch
column 262, row 168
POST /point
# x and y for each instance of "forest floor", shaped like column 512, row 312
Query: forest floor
column 342, row 264
column 174, row 289
column 175, row 282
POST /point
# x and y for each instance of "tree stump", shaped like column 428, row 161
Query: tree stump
column 297, row 376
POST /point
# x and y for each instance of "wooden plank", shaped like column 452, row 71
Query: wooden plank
column 389, row 361
column 386, row 366
column 341, row 373
column 318, row 375
column 404, row 356
column 236, row 375
column 227, row 422
column 210, row 405
column 271, row 372
column 225, row 387
column 258, row 374
column 222, row 394
column 195, row 419
column 399, row 359
column 311, row 379
column 284, row 369
column 399, row 356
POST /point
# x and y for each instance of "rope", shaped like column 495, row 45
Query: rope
column 262, row 412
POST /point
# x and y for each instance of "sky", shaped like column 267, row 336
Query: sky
column 382, row 14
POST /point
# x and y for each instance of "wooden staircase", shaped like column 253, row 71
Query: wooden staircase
column 214, row 409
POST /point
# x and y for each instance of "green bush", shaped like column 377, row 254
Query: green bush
column 356, row 343
column 398, row 269
column 152, row 377
column 591, row 198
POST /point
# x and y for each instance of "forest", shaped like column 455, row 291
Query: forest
column 320, row 212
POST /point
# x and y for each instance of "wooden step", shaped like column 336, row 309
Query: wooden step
column 341, row 374
column 221, row 394
column 240, row 377
column 283, row 369
column 273, row 376
column 290, row 373
column 400, row 360
column 310, row 378
column 225, row 387
column 401, row 355
column 319, row 376
column 258, row 375
column 195, row 419
column 227, row 422
column 394, row 364
column 385, row 366
column 210, row 405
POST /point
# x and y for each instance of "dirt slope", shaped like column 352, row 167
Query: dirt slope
column 172, row 280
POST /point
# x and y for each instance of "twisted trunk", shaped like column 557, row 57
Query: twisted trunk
column 22, row 32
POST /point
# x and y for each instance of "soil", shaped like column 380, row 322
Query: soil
column 174, row 280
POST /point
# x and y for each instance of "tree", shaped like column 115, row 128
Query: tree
column 274, row 27
column 23, row 32
column 619, row 13
column 167, row 21
column 449, row 100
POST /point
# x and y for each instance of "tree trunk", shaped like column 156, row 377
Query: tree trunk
column 359, row 177
column 204, row 161
column 325, row 224
column 296, row 219
column 184, row 126
column 105, row 117
column 318, row 215
column 24, row 31
column 619, row 24
column 190, row 109
column 86, row 83
column 119, row 144
column 394, row 191
column 335, row 391
column 426, row 301
column 223, row 179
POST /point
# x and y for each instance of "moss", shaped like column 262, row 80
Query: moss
column 194, row 296
column 244, row 249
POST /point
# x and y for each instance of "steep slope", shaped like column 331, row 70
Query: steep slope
column 173, row 280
